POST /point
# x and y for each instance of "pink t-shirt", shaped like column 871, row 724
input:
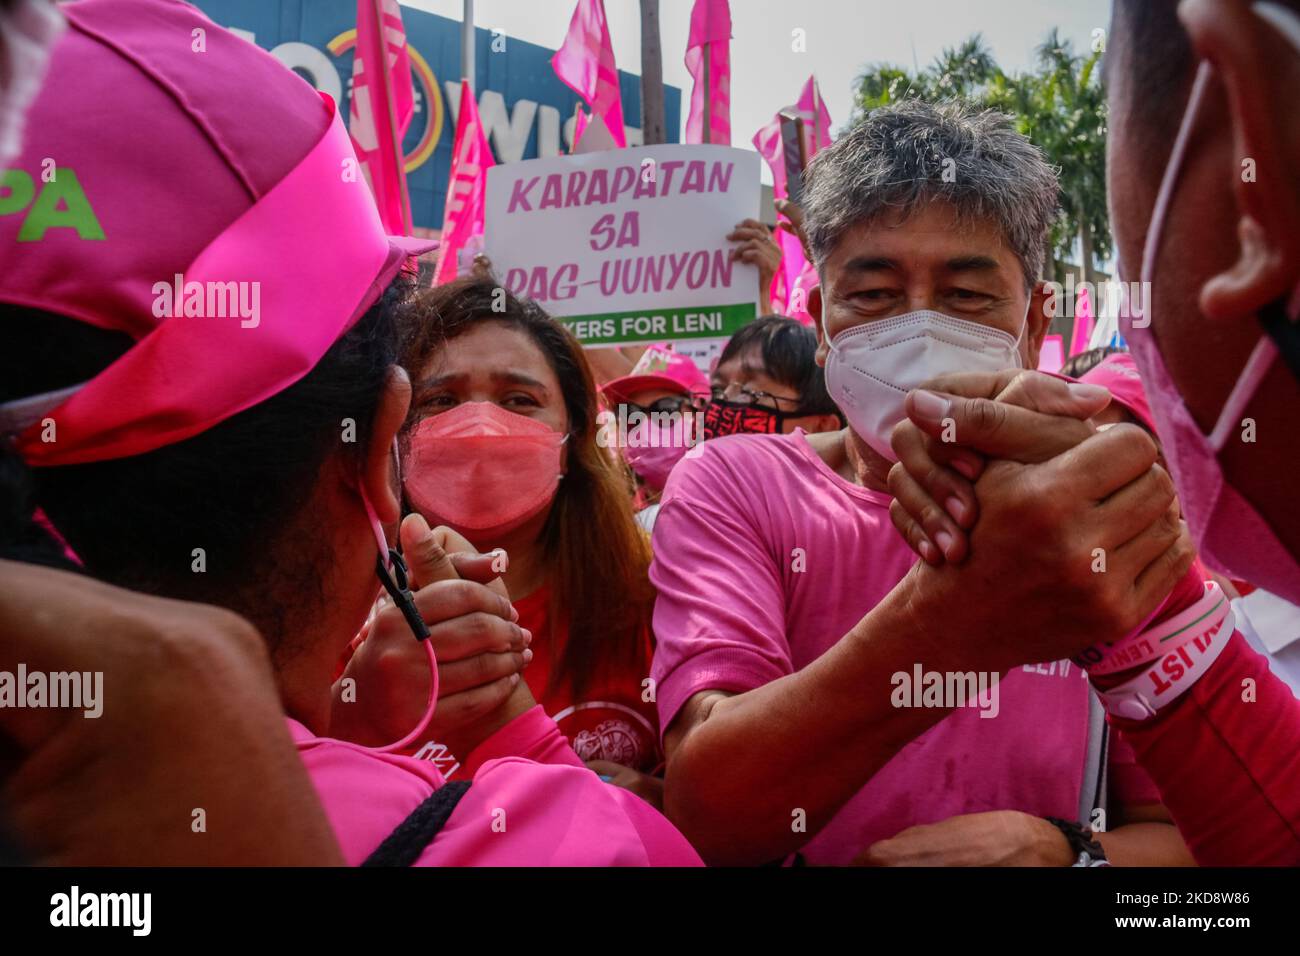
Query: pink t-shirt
column 764, row 559
column 531, row 802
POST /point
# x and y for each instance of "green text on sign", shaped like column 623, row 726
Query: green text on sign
column 661, row 325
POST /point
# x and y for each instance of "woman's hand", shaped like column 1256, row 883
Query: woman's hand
column 648, row 788
column 481, row 651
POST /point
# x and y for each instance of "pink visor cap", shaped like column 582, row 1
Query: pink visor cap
column 657, row 368
column 1119, row 373
column 182, row 186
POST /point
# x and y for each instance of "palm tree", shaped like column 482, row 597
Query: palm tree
column 966, row 70
column 1060, row 106
column 1070, row 125
column 963, row 71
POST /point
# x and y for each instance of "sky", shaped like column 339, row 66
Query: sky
column 842, row 36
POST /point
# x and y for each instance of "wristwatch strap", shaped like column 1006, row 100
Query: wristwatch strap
column 1087, row 851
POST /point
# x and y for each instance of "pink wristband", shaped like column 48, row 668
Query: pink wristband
column 1203, row 616
column 1169, row 678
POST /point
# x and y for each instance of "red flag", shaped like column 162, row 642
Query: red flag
column 709, row 45
column 462, row 218
column 383, row 101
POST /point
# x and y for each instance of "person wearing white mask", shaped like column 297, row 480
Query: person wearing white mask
column 804, row 661
column 1205, row 201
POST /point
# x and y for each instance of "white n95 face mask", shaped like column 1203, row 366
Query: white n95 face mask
column 872, row 367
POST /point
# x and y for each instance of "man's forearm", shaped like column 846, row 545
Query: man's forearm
column 767, row 769
column 1145, row 844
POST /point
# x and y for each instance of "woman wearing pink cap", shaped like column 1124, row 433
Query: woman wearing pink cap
column 208, row 398
column 650, row 416
column 501, row 445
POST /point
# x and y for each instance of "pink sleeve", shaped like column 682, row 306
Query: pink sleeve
column 518, row 813
column 719, row 617
column 1228, row 766
column 531, row 735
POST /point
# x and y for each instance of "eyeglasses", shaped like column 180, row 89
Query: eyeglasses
column 669, row 404
column 741, row 394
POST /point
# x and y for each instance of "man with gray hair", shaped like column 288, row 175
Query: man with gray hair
column 907, row 157
column 804, row 659
column 1202, row 162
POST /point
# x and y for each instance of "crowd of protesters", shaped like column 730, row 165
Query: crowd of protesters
column 454, row 593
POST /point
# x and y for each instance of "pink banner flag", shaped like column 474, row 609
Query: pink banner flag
column 1052, row 355
column 383, row 102
column 796, row 276
column 1083, row 322
column 585, row 63
column 708, row 52
column 579, row 125
column 462, row 217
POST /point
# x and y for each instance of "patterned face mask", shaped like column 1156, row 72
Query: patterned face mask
column 735, row 418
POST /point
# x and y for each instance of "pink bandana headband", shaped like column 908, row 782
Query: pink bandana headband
column 190, row 373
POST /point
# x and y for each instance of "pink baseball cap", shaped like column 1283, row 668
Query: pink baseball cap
column 658, row 368
column 185, row 167
column 1119, row 373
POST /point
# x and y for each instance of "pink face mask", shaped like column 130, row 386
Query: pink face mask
column 653, row 449
column 1231, row 536
column 479, row 467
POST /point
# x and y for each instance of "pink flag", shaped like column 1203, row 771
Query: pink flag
column 579, row 124
column 1052, row 355
column 796, row 276
column 585, row 62
column 462, row 218
column 1083, row 322
column 710, row 44
column 383, row 102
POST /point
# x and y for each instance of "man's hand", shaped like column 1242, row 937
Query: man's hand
column 1078, row 537
column 793, row 223
column 481, row 651
column 191, row 730
column 956, row 421
column 997, row 838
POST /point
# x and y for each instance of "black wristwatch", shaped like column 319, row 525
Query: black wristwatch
column 1087, row 850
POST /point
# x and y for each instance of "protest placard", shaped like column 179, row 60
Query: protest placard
column 628, row 246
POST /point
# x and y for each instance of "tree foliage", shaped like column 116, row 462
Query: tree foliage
column 1059, row 104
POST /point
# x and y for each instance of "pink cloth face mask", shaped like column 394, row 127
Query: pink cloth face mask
column 478, row 467
column 1229, row 533
column 653, row 449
